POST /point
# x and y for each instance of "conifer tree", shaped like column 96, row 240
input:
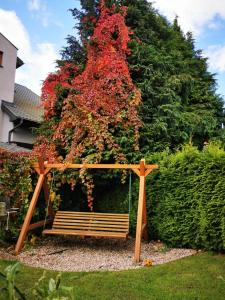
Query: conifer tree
column 179, row 100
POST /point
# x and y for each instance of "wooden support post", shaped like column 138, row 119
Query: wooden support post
column 145, row 217
column 26, row 223
column 46, row 189
column 137, row 250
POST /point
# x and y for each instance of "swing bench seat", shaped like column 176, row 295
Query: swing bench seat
column 90, row 224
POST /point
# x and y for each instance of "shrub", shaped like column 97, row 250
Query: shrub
column 15, row 182
column 186, row 198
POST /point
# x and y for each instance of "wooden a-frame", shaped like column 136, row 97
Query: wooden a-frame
column 142, row 170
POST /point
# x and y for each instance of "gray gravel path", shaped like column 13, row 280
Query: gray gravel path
column 90, row 254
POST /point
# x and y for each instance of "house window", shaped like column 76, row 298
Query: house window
column 1, row 58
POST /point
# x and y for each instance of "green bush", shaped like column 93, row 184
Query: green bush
column 185, row 198
column 15, row 188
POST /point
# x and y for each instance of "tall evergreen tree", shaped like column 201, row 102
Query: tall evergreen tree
column 179, row 100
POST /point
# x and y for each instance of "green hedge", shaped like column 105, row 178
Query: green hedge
column 186, row 198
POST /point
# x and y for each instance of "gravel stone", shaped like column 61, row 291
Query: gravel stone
column 92, row 254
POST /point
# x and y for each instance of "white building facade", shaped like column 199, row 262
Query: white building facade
column 20, row 109
column 8, row 59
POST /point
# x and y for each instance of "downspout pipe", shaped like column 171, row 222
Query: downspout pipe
column 12, row 130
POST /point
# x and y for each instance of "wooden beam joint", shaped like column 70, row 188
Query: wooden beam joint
column 39, row 224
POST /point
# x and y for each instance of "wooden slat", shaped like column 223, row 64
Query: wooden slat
column 62, row 217
column 88, row 218
column 92, row 218
column 79, row 218
column 125, row 226
column 86, row 233
column 89, row 225
column 91, row 228
column 91, row 214
column 79, row 222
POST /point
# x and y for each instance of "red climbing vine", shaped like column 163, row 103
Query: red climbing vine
column 86, row 109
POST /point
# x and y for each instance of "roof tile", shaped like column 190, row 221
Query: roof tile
column 26, row 105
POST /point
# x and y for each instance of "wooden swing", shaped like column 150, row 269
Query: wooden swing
column 88, row 224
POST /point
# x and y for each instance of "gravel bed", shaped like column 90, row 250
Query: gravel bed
column 91, row 254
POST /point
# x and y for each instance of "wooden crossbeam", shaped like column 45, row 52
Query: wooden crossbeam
column 40, row 224
column 93, row 166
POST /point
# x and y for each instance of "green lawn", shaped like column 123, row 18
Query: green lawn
column 197, row 277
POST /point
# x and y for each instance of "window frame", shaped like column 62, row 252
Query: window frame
column 1, row 58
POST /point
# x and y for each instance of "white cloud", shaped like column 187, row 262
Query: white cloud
column 34, row 5
column 216, row 54
column 39, row 11
column 194, row 15
column 197, row 16
column 38, row 58
column 215, row 25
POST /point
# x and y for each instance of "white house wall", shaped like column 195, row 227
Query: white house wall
column 7, row 71
column 7, row 79
column 5, row 126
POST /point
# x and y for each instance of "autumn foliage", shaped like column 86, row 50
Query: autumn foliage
column 86, row 109
column 97, row 100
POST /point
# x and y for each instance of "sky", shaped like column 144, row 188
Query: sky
column 38, row 28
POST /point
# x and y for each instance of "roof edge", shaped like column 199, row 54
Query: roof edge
column 13, row 148
column 8, row 41
column 19, row 62
column 6, row 110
